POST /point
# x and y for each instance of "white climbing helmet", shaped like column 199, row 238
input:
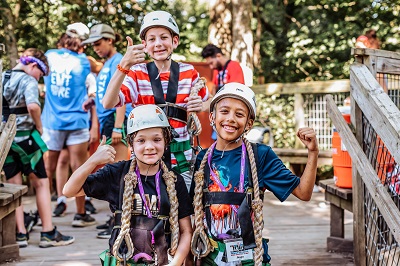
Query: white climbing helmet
column 146, row 116
column 238, row 91
column 158, row 19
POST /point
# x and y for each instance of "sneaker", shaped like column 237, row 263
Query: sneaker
column 82, row 220
column 90, row 209
column 106, row 225
column 106, row 234
column 60, row 209
column 54, row 239
column 30, row 220
column 22, row 239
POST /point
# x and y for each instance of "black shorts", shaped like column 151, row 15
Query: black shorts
column 108, row 126
column 12, row 168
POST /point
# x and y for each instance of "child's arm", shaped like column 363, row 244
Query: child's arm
column 104, row 154
column 35, row 111
column 134, row 55
column 94, row 129
column 185, row 237
column 119, row 121
column 304, row 190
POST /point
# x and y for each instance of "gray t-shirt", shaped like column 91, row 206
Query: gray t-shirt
column 21, row 90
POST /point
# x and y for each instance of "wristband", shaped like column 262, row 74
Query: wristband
column 117, row 130
column 123, row 70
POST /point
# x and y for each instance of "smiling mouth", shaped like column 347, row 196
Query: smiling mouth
column 158, row 52
column 229, row 128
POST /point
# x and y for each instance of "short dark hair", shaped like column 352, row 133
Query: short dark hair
column 211, row 51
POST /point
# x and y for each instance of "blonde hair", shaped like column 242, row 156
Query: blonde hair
column 256, row 206
column 130, row 184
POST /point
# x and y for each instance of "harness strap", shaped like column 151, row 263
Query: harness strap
column 25, row 158
column 176, row 146
column 242, row 199
column 174, row 111
column 244, row 217
column 6, row 107
column 156, row 86
column 170, row 108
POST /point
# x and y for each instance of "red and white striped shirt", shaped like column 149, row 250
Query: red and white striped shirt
column 136, row 89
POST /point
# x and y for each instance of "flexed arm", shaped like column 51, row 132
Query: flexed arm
column 304, row 190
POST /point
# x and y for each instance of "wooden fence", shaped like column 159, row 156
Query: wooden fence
column 375, row 152
column 309, row 104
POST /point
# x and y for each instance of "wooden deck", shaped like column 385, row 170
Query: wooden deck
column 297, row 232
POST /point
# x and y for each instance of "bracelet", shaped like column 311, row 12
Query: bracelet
column 117, row 130
column 123, row 70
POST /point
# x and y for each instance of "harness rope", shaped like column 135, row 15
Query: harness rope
column 193, row 122
column 200, row 244
column 130, row 184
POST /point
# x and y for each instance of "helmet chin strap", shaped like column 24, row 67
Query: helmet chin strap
column 153, row 164
column 212, row 124
column 164, row 60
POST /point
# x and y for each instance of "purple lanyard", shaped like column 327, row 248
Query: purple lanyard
column 141, row 191
column 242, row 168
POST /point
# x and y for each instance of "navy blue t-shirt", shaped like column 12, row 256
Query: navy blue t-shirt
column 105, row 184
column 272, row 175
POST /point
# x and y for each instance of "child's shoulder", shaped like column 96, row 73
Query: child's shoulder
column 185, row 66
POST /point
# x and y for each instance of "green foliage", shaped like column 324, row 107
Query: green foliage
column 39, row 23
column 277, row 111
column 306, row 40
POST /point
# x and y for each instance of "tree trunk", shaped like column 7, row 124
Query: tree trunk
column 220, row 30
column 242, row 36
column 230, row 29
column 9, row 28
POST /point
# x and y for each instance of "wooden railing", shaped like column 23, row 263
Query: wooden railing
column 309, row 105
column 375, row 152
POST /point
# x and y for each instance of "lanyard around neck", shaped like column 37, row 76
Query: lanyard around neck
column 242, row 169
column 141, row 191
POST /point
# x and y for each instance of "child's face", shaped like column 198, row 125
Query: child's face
column 149, row 145
column 34, row 71
column 159, row 43
column 231, row 119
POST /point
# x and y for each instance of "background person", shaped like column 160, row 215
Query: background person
column 112, row 121
column 65, row 123
column 21, row 97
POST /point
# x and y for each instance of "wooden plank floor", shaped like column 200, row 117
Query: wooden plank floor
column 297, row 232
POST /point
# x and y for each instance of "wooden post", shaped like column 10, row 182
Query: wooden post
column 358, row 193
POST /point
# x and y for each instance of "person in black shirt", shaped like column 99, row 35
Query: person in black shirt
column 149, row 202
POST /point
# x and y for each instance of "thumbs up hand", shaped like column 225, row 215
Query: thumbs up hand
column 104, row 154
column 134, row 54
